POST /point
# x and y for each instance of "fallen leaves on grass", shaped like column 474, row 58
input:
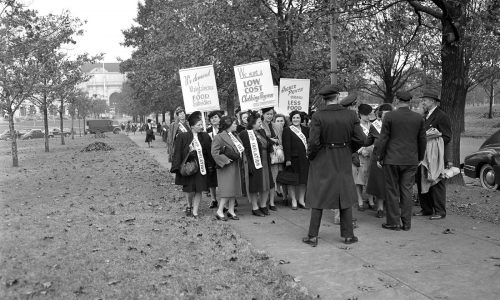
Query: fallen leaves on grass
column 97, row 146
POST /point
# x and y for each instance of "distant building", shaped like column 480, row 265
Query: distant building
column 106, row 80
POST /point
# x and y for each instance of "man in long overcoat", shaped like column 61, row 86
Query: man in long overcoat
column 433, row 203
column 335, row 133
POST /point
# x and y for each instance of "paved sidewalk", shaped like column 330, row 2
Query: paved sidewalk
column 424, row 263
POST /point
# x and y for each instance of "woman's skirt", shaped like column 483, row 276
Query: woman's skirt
column 361, row 173
column 150, row 138
column 300, row 166
column 266, row 181
column 376, row 180
column 230, row 181
column 196, row 183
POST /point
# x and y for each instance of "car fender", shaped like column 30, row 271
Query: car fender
column 474, row 162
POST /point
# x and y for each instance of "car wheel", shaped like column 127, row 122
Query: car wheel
column 116, row 131
column 487, row 177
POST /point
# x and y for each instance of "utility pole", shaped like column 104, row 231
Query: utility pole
column 333, row 43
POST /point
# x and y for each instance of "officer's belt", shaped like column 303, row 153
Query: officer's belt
column 335, row 145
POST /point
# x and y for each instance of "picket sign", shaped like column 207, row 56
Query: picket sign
column 255, row 85
column 199, row 89
column 293, row 95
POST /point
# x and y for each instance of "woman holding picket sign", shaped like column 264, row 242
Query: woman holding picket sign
column 192, row 157
column 258, row 148
column 296, row 162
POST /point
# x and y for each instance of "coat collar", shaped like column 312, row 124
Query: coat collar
column 334, row 107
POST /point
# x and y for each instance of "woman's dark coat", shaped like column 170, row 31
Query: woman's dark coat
column 295, row 152
column 376, row 177
column 181, row 150
column 330, row 184
column 255, row 175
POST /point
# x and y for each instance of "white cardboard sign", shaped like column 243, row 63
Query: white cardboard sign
column 293, row 95
column 255, row 85
column 199, row 89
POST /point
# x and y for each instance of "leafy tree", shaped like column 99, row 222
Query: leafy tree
column 20, row 35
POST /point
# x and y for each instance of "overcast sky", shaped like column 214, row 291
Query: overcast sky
column 105, row 21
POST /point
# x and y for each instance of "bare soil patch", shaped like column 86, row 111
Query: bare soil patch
column 110, row 225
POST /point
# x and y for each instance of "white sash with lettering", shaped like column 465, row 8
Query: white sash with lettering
column 366, row 130
column 299, row 133
column 378, row 125
column 182, row 128
column 237, row 143
column 254, row 146
column 199, row 152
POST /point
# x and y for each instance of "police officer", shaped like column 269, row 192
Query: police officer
column 334, row 135
column 401, row 147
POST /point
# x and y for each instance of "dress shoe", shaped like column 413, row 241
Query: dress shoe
column 273, row 208
column 265, row 211
column 420, row 214
column 233, row 217
column 406, row 227
column 195, row 217
column 361, row 208
column 214, row 204
column 380, row 214
column 436, row 217
column 302, row 206
column 391, row 227
column 351, row 240
column 313, row 241
column 224, row 218
column 189, row 211
column 294, row 207
column 258, row 213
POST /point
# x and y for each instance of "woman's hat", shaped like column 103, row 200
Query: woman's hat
column 265, row 110
column 364, row 109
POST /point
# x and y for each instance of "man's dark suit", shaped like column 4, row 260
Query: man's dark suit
column 401, row 147
column 434, row 202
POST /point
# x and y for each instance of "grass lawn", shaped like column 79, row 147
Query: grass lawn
column 110, row 225
column 476, row 122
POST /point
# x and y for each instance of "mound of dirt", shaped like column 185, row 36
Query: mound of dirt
column 97, row 146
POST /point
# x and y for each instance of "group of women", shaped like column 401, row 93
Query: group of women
column 240, row 159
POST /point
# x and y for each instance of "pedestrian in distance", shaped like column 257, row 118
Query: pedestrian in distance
column 228, row 154
column 401, row 147
column 433, row 202
column 334, row 135
column 150, row 134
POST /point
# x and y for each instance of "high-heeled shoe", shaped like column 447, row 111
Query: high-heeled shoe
column 302, row 206
column 232, row 217
column 189, row 211
column 224, row 218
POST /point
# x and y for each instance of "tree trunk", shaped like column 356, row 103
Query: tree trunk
column 15, row 160
column 453, row 89
column 156, row 117
column 72, row 127
column 45, row 122
column 61, row 110
column 79, row 127
column 163, row 116
column 84, row 131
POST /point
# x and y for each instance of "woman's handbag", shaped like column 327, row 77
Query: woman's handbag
column 230, row 153
column 277, row 156
column 287, row 177
column 190, row 167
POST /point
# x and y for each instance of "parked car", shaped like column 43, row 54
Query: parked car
column 6, row 135
column 485, row 163
column 101, row 126
column 35, row 134
column 57, row 131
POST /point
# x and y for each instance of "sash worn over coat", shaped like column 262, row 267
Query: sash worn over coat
column 330, row 183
